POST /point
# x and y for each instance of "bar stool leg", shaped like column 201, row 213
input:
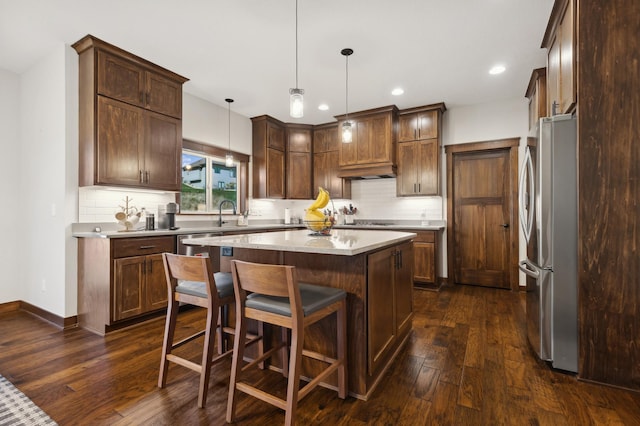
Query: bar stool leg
column 167, row 343
column 236, row 361
column 207, row 355
column 295, row 364
column 342, row 349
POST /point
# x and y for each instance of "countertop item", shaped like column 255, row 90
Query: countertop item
column 345, row 242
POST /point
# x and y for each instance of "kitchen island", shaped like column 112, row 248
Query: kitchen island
column 373, row 267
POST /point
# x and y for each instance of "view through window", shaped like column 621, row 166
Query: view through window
column 206, row 182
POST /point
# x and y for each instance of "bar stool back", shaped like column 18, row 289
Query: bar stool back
column 272, row 294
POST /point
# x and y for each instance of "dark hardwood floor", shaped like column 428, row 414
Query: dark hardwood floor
column 466, row 363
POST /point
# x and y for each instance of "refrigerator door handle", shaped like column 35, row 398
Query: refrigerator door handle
column 529, row 268
column 526, row 203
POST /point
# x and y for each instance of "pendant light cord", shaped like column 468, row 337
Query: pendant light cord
column 296, row 44
column 346, row 102
column 229, row 124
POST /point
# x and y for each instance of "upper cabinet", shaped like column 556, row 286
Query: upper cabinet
column 419, row 145
column 326, row 155
column 537, row 95
column 559, row 39
column 299, row 161
column 130, row 119
column 268, row 157
column 372, row 151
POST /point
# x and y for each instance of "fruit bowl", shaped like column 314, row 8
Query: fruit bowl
column 319, row 227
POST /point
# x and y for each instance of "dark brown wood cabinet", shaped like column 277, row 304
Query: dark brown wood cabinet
column 419, row 158
column 389, row 302
column 299, row 161
column 425, row 251
column 326, row 156
column 560, row 40
column 130, row 119
column 373, row 149
column 419, row 125
column 268, row 157
column 537, row 95
column 120, row 279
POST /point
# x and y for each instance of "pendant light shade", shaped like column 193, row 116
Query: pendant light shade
column 296, row 101
column 229, row 157
column 347, row 133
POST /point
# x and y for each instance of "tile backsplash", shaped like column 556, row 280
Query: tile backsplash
column 375, row 199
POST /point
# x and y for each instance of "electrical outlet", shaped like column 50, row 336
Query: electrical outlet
column 227, row 251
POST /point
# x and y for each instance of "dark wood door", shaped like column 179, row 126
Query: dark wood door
column 299, row 175
column 482, row 219
column 163, row 95
column 120, row 147
column 163, row 151
column 120, row 79
column 275, row 173
column 128, row 294
column 156, row 283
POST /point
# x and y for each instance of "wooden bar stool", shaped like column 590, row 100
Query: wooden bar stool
column 190, row 280
column 272, row 294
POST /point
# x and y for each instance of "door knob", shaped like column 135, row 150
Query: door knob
column 505, row 225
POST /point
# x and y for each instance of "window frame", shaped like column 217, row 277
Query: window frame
column 242, row 172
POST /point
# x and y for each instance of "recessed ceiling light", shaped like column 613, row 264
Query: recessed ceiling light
column 397, row 91
column 323, row 107
column 498, row 69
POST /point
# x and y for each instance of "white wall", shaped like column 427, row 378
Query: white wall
column 42, row 181
column 12, row 166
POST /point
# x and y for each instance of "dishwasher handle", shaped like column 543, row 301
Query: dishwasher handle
column 529, row 268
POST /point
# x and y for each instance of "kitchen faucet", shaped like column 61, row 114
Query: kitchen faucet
column 220, row 210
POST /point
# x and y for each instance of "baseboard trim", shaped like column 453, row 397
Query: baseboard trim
column 9, row 307
column 58, row 321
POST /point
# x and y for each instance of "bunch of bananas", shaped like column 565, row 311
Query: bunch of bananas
column 314, row 217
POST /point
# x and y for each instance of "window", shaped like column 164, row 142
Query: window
column 207, row 181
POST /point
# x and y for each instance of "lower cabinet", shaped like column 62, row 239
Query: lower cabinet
column 120, row 279
column 424, row 258
column 389, row 302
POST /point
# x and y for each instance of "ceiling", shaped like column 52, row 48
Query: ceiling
column 437, row 51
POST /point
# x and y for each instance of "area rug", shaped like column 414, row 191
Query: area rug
column 18, row 410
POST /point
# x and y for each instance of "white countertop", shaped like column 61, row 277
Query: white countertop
column 345, row 242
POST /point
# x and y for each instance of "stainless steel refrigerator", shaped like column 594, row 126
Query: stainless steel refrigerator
column 548, row 199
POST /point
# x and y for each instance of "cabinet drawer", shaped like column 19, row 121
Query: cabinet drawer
column 425, row 236
column 126, row 247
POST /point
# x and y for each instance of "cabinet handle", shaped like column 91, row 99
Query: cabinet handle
column 419, row 133
column 147, row 175
column 141, row 176
column 400, row 261
column 419, row 187
column 147, row 247
column 415, row 134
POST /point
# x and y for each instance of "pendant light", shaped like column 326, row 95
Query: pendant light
column 229, row 158
column 296, row 105
column 347, row 134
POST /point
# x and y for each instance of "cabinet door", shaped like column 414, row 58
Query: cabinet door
column 380, row 306
column 128, row 282
column 553, row 78
column 120, row 79
column 403, row 287
column 321, row 172
column 163, row 152
column 299, row 140
column 424, row 262
column 407, row 179
column 407, row 127
column 372, row 141
column 275, row 173
column 427, row 125
column 275, row 137
column 299, row 175
column 567, row 60
column 156, row 283
column 163, row 95
column 120, row 146
column 427, row 167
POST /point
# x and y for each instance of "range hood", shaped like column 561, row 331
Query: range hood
column 368, row 171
